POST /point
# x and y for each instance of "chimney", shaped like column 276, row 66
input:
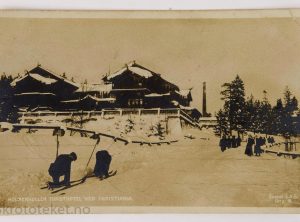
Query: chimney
column 204, row 113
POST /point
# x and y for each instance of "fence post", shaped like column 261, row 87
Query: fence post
column 158, row 111
column 121, row 112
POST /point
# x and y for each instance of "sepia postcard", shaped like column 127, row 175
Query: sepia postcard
column 149, row 112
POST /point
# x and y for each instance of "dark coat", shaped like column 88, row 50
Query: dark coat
column 238, row 141
column 103, row 160
column 61, row 166
column 248, row 150
column 223, row 144
column 258, row 143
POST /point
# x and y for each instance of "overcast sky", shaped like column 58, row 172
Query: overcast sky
column 264, row 52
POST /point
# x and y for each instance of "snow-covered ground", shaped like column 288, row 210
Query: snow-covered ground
column 192, row 172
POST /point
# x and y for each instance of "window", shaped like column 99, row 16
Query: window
column 135, row 102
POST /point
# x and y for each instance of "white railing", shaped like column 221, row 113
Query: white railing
column 155, row 111
column 173, row 112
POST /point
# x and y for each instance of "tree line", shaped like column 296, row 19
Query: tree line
column 8, row 111
column 243, row 114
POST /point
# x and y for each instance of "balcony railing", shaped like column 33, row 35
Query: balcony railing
column 170, row 112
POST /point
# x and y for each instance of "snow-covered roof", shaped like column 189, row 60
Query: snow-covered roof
column 157, row 95
column 183, row 92
column 70, row 101
column 295, row 113
column 175, row 103
column 212, row 118
column 34, row 93
column 38, row 77
column 133, row 67
column 133, row 89
column 33, row 73
column 99, row 99
column 41, row 108
column 95, row 87
column 142, row 72
column 39, row 67
column 91, row 97
column 186, row 107
column 14, row 82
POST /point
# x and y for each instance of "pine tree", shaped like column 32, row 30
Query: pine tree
column 233, row 95
column 265, row 115
column 250, row 114
column 257, row 119
column 222, row 127
column 8, row 111
column 158, row 130
column 290, row 106
column 278, row 118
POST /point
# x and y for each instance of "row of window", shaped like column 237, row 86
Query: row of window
column 135, row 102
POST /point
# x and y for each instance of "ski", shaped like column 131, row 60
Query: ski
column 58, row 186
column 75, row 183
column 111, row 174
column 67, row 187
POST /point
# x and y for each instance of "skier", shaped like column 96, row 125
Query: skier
column 103, row 160
column 61, row 167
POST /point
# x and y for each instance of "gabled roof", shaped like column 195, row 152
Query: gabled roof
column 135, row 68
column 47, row 73
column 140, row 71
column 45, row 76
column 45, row 80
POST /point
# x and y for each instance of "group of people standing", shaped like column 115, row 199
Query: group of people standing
column 227, row 142
column 253, row 145
column 257, row 142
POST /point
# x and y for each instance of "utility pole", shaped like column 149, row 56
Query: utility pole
column 57, row 144
column 204, row 111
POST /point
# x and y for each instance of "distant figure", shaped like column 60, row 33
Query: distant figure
column 269, row 140
column 223, row 143
column 287, row 142
column 250, row 142
column 103, row 159
column 228, row 142
column 272, row 140
column 263, row 141
column 61, row 167
column 238, row 141
column 233, row 142
column 258, row 143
